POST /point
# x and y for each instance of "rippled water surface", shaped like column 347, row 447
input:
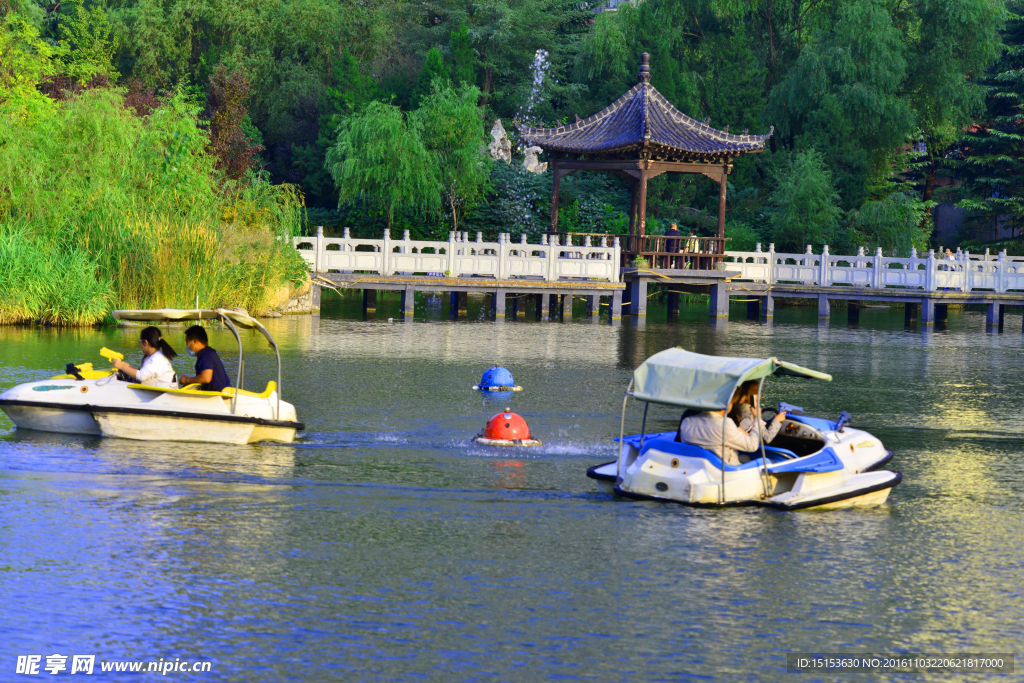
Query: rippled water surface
column 384, row 546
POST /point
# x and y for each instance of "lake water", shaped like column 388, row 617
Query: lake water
column 384, row 546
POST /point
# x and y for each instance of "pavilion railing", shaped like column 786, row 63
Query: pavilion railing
column 661, row 252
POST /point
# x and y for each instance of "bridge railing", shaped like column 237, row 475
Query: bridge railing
column 964, row 272
column 552, row 259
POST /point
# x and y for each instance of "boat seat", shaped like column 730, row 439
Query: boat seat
column 187, row 391
column 666, row 443
column 824, row 460
column 271, row 388
column 194, row 390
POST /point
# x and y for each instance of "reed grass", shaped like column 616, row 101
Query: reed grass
column 103, row 209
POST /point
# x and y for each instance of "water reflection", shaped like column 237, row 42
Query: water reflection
column 384, row 544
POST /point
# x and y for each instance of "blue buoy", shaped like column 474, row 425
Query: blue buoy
column 497, row 378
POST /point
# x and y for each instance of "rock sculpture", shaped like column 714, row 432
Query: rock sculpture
column 531, row 164
column 500, row 147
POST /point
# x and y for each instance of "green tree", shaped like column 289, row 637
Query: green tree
column 433, row 72
column 380, row 154
column 463, row 57
column 991, row 153
column 806, row 204
column 90, row 43
column 452, row 126
column 25, row 60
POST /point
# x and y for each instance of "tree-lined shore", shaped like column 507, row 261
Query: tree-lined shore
column 151, row 151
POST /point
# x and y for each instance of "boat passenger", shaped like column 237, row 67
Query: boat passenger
column 705, row 429
column 745, row 412
column 156, row 370
column 210, row 372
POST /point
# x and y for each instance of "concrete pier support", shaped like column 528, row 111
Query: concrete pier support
column 768, row 307
column 994, row 315
column 638, row 297
column 719, row 301
column 593, row 306
column 927, row 312
column 853, row 312
column 909, row 313
column 673, row 304
column 408, row 302
column 498, row 304
column 616, row 307
column 566, row 307
column 369, row 301
column 543, row 307
column 314, row 295
column 824, row 312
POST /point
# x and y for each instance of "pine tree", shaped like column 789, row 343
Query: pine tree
column 433, row 70
column 992, row 151
column 463, row 56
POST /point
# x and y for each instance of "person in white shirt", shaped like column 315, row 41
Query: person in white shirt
column 156, row 367
column 705, row 429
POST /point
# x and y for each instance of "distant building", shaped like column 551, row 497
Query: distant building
column 611, row 5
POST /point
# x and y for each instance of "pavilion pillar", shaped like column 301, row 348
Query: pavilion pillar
column 641, row 226
column 723, row 184
column 554, row 195
column 632, row 207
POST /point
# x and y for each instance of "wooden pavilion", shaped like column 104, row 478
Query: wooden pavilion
column 640, row 136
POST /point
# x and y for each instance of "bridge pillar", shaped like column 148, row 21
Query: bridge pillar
column 768, row 306
column 567, row 307
column 673, row 304
column 853, row 312
column 593, row 306
column 719, row 301
column 994, row 315
column 498, row 304
column 543, row 307
column 927, row 311
column 369, row 301
column 638, row 297
column 616, row 308
column 824, row 312
column 456, row 304
column 909, row 312
column 408, row 301
column 941, row 312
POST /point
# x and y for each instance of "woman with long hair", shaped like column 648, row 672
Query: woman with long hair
column 156, row 367
column 745, row 411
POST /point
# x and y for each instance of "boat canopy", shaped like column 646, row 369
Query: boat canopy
column 678, row 377
column 174, row 314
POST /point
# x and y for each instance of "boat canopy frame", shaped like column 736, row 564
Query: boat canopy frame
column 678, row 377
column 230, row 317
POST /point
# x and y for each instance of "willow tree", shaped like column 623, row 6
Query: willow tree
column 453, row 133
column 380, row 155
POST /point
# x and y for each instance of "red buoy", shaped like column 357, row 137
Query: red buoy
column 506, row 429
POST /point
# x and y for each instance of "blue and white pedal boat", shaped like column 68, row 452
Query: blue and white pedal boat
column 811, row 463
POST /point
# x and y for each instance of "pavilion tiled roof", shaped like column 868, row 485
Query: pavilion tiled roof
column 642, row 122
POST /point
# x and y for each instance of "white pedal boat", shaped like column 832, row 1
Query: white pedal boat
column 811, row 463
column 102, row 404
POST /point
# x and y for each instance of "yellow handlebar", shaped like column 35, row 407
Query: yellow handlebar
column 111, row 355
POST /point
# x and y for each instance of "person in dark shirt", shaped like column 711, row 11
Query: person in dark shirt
column 210, row 370
column 672, row 244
